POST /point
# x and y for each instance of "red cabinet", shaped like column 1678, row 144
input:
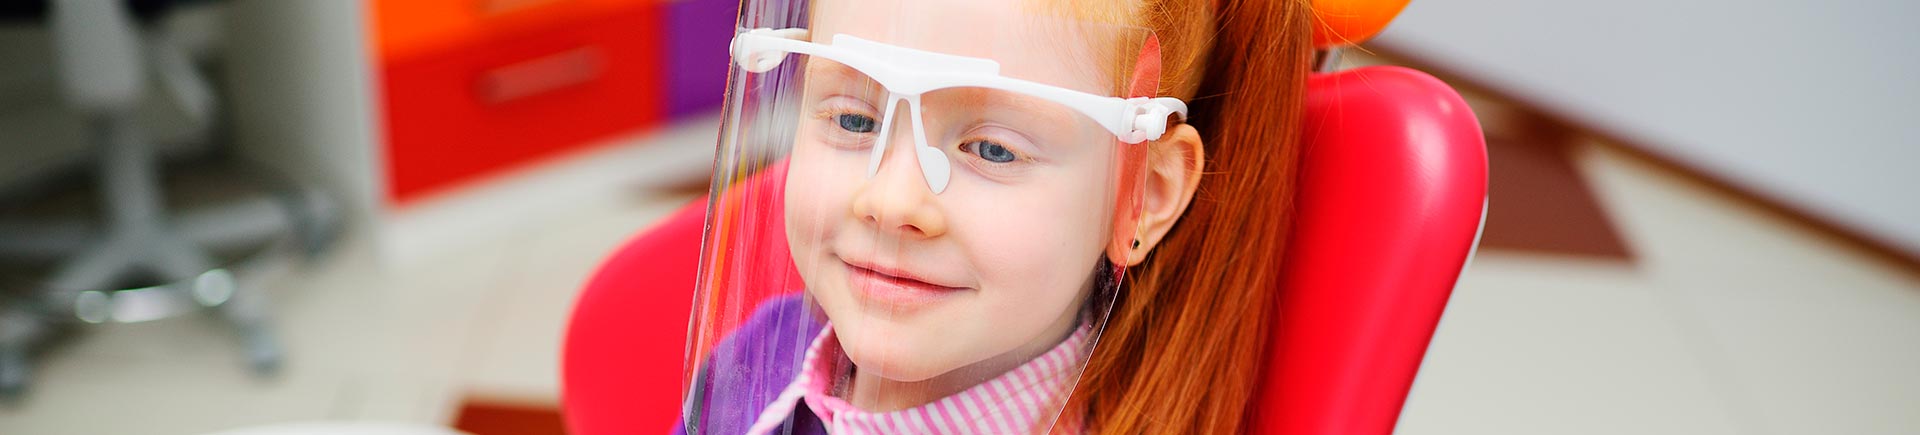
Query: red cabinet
column 470, row 88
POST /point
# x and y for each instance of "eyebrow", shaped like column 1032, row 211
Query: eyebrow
column 1042, row 112
column 1046, row 112
column 836, row 70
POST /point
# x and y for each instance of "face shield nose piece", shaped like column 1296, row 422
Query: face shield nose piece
column 934, row 165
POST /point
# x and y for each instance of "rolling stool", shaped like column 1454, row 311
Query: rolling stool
column 103, row 67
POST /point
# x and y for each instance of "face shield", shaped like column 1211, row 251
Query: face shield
column 916, row 213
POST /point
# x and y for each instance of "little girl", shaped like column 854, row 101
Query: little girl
column 1001, row 218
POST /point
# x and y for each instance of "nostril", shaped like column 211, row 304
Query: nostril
column 900, row 208
column 900, row 225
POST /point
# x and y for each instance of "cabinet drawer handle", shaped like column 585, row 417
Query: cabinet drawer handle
column 497, row 7
column 540, row 75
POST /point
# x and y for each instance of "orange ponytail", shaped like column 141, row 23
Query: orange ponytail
column 1182, row 350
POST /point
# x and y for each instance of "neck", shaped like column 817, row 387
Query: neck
column 874, row 393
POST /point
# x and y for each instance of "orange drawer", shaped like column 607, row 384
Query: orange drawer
column 408, row 27
column 511, row 96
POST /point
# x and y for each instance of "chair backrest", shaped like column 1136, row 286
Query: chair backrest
column 621, row 363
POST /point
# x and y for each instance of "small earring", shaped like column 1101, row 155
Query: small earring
column 1136, row 243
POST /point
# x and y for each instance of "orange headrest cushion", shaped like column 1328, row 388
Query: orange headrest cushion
column 1348, row 22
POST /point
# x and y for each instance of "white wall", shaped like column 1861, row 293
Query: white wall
column 303, row 95
column 1816, row 103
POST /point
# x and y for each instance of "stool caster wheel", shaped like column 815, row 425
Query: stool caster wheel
column 264, row 355
column 14, row 373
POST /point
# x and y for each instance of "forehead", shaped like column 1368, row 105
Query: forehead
column 1029, row 42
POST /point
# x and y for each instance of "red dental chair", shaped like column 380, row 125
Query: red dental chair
column 1389, row 209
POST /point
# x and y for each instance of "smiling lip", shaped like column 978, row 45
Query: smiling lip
column 894, row 287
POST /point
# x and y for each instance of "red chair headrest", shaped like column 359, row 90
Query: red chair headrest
column 1392, row 191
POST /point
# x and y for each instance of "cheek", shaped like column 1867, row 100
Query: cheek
column 819, row 188
column 1040, row 243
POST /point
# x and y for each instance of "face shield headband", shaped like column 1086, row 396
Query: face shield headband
column 909, row 73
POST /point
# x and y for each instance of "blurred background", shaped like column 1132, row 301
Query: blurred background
column 224, row 214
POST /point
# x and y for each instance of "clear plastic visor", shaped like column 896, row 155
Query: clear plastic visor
column 914, row 210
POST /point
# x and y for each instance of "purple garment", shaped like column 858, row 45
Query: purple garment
column 749, row 370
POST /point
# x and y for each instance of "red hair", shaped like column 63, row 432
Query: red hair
column 1182, row 349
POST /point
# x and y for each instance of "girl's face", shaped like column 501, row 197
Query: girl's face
column 998, row 265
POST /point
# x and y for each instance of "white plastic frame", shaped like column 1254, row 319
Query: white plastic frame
column 908, row 73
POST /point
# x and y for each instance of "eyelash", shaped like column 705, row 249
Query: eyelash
column 831, row 118
column 966, row 146
column 841, row 137
column 830, row 114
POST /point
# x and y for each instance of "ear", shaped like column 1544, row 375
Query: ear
column 1174, row 164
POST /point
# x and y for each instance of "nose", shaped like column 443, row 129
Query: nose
column 896, row 199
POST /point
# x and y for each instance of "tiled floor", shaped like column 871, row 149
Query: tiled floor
column 369, row 336
column 1728, row 321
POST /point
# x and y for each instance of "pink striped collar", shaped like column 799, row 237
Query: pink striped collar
column 1020, row 401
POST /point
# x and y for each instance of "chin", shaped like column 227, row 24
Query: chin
column 900, row 346
column 892, row 356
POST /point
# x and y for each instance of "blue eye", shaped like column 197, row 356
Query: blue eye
column 990, row 151
column 854, row 122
